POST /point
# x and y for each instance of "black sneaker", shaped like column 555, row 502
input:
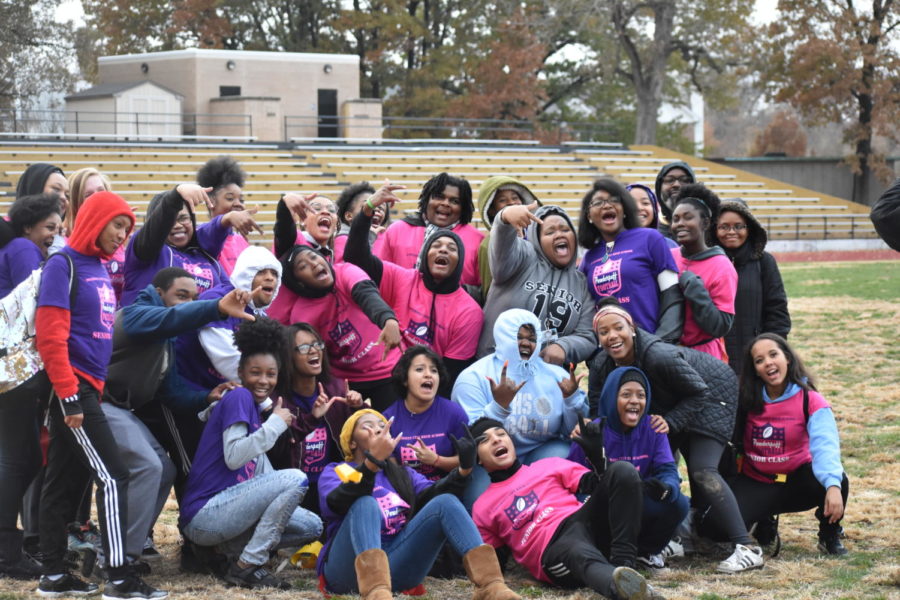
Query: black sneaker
column 832, row 545
column 150, row 553
column 254, row 577
column 131, row 587
column 25, row 568
column 67, row 585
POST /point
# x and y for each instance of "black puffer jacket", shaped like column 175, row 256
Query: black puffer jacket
column 692, row 390
column 760, row 305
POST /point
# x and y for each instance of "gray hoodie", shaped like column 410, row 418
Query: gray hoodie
column 525, row 278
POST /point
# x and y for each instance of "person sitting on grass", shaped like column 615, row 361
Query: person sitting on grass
column 628, row 435
column 386, row 523
column 533, row 511
column 233, row 498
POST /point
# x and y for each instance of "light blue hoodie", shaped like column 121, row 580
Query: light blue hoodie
column 538, row 413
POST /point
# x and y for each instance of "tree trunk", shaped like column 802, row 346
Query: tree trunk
column 863, row 151
column 648, row 105
column 650, row 84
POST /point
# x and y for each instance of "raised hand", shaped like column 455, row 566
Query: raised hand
column 217, row 392
column 590, row 438
column 520, row 216
column 466, row 450
column 196, row 195
column 233, row 304
column 242, row 221
column 353, row 398
column 569, row 385
column 322, row 403
column 299, row 204
column 384, row 195
column 426, row 455
column 505, row 391
column 381, row 444
column 282, row 412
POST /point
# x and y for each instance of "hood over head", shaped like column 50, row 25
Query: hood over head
column 250, row 262
column 451, row 284
column 506, row 333
column 493, row 185
column 34, row 179
column 678, row 164
column 610, row 394
column 533, row 232
column 156, row 204
column 757, row 237
column 654, row 223
column 294, row 284
column 93, row 216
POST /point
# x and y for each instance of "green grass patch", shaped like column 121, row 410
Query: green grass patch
column 864, row 280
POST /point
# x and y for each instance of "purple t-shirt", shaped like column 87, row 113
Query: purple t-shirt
column 93, row 314
column 629, row 272
column 316, row 442
column 194, row 364
column 208, row 273
column 642, row 447
column 209, row 473
column 18, row 259
column 443, row 417
column 394, row 510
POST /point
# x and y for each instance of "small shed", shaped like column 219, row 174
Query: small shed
column 136, row 108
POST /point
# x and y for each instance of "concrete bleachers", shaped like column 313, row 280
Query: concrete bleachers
column 558, row 175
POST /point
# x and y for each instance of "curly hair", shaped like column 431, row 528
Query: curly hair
column 348, row 196
column 706, row 201
column 436, row 185
column 219, row 172
column 262, row 336
column 28, row 211
column 588, row 235
column 400, row 373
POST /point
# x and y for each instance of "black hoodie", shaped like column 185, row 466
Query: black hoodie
column 664, row 205
column 760, row 305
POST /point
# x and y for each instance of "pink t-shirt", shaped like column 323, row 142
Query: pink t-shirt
column 234, row 245
column 403, row 242
column 776, row 440
column 720, row 279
column 350, row 337
column 525, row 511
column 457, row 317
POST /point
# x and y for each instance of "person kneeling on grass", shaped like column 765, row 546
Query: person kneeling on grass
column 629, row 435
column 533, row 510
column 386, row 523
column 232, row 494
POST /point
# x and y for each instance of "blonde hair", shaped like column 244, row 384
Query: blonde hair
column 77, row 181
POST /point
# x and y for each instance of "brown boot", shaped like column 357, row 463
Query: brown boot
column 483, row 570
column 373, row 575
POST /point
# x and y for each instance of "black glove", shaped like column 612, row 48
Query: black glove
column 656, row 489
column 591, row 441
column 466, row 449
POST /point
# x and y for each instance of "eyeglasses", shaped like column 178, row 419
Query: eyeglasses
column 309, row 348
column 684, row 179
column 725, row 228
column 320, row 207
column 183, row 219
column 597, row 202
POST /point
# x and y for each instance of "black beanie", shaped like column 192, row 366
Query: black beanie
column 483, row 424
column 633, row 375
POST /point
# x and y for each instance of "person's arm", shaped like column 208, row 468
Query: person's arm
column 681, row 381
column 218, row 343
column 596, row 378
column 713, row 321
column 581, row 342
column 240, row 448
column 825, row 448
column 52, row 325
column 359, row 252
column 670, row 321
column 507, row 252
column 342, row 497
column 149, row 239
column 365, row 294
column 211, row 237
column 148, row 322
column 667, row 473
column 285, row 229
column 885, row 216
column 775, row 317
column 180, row 396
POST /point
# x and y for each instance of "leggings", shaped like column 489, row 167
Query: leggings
column 708, row 488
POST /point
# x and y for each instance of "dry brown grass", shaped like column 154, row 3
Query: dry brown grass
column 852, row 346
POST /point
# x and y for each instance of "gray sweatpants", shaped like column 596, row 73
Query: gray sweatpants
column 150, row 475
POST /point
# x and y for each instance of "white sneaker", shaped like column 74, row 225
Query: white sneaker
column 674, row 549
column 744, row 558
column 651, row 561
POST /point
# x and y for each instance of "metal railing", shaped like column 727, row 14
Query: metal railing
column 819, row 227
column 124, row 125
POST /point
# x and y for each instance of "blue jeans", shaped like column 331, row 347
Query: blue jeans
column 264, row 509
column 659, row 521
column 480, row 480
column 411, row 553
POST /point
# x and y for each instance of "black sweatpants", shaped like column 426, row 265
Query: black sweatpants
column 74, row 454
column 802, row 491
column 606, row 526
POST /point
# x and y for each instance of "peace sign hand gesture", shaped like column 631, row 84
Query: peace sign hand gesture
column 504, row 392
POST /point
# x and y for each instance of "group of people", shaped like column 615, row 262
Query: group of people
column 409, row 393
